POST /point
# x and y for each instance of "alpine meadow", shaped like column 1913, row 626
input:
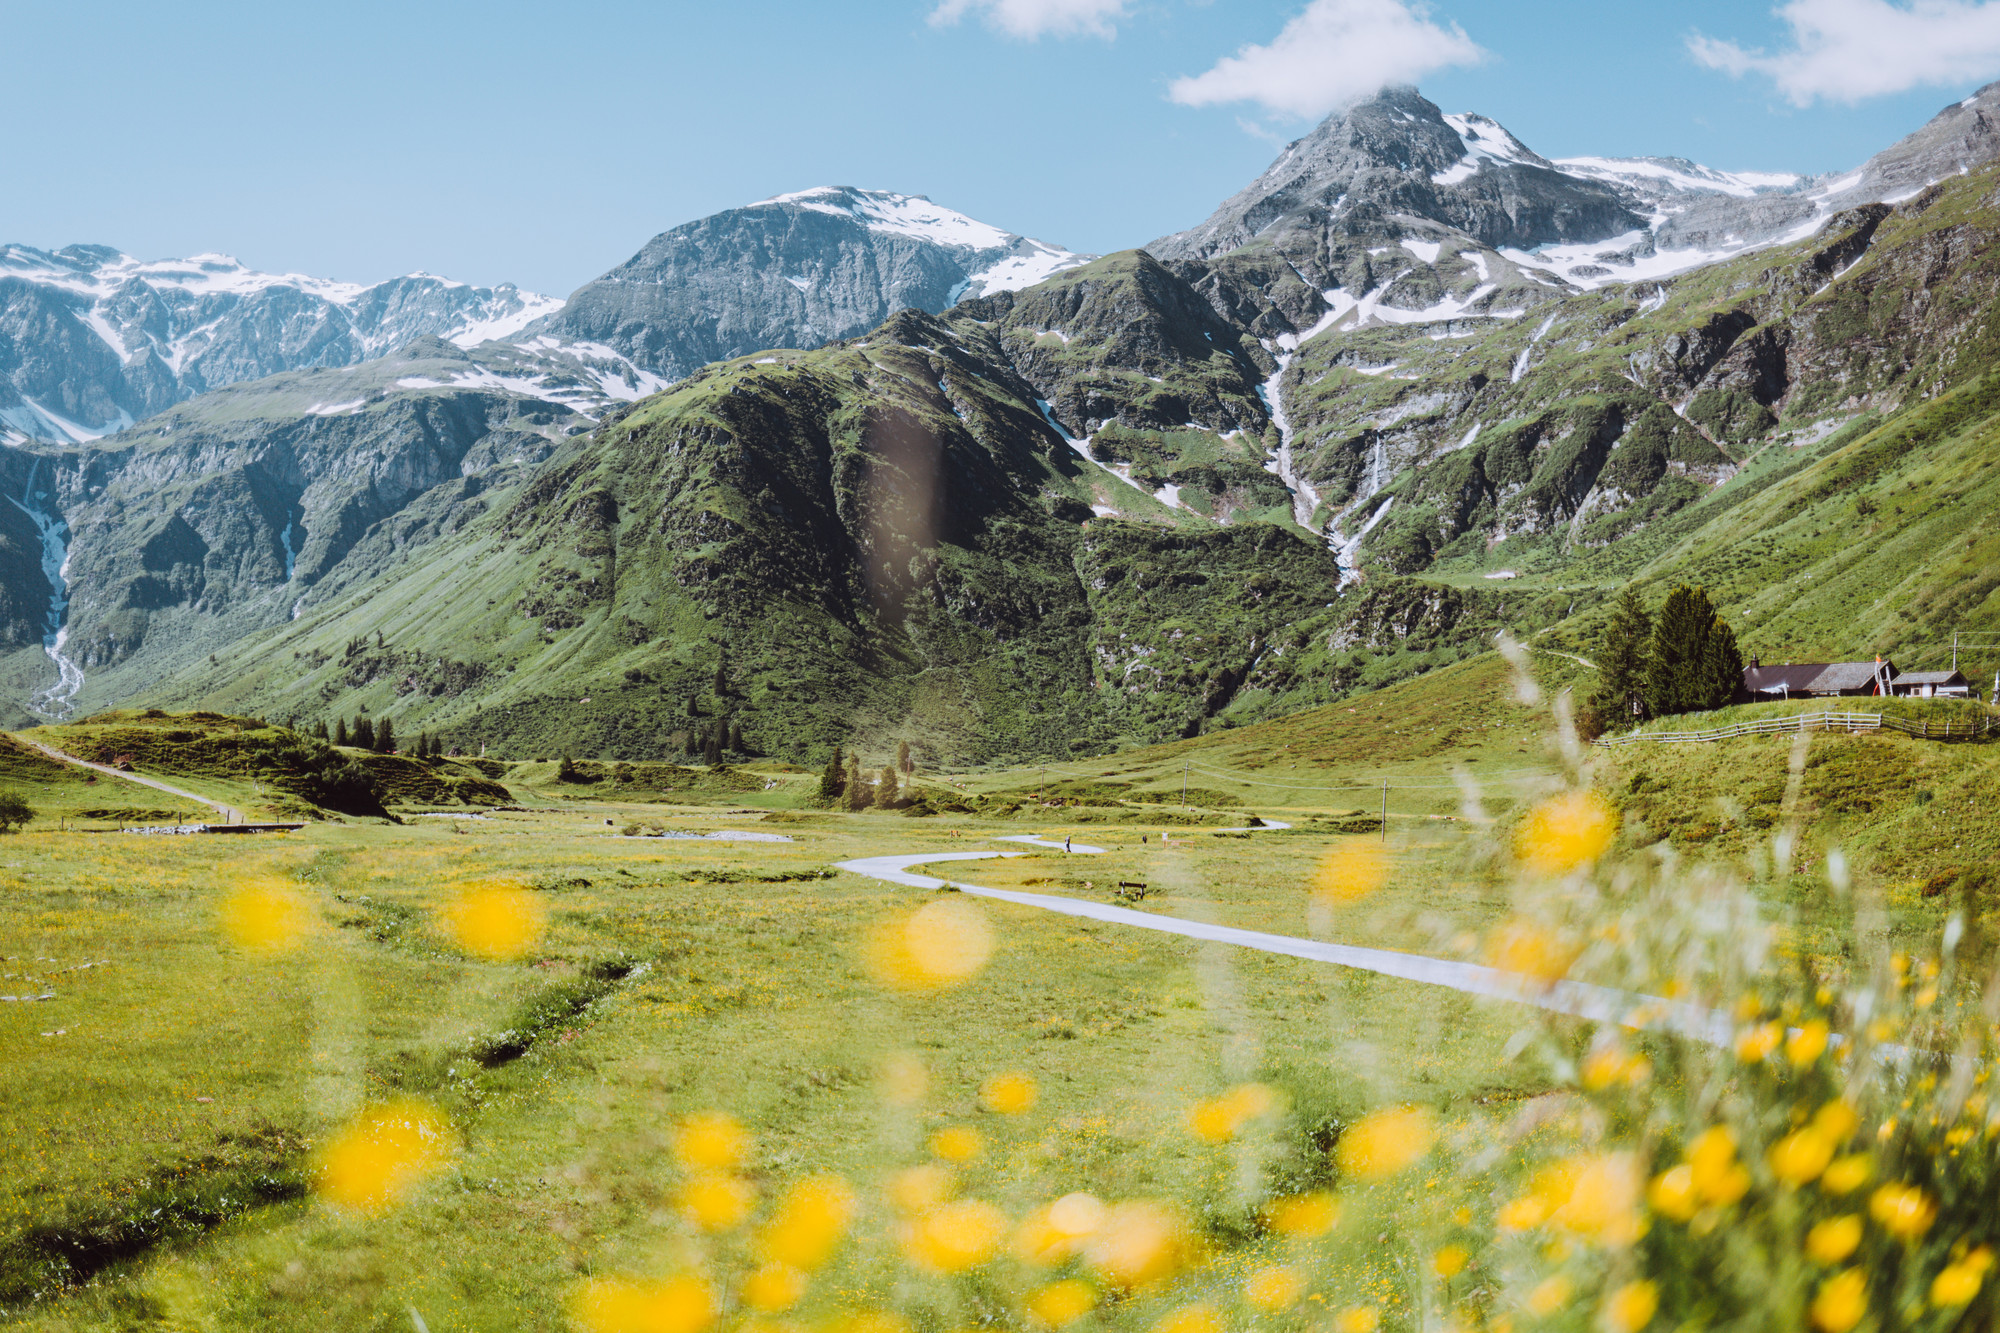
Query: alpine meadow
column 1420, row 755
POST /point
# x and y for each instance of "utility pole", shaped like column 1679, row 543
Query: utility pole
column 1385, row 812
column 1954, row 652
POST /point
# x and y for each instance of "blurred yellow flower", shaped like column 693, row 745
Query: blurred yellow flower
column 916, row 1188
column 1350, row 872
column 1831, row 1241
column 942, row 944
column 1450, row 1261
column 809, row 1223
column 710, row 1141
column 1523, row 1214
column 954, row 1237
column 1613, row 1064
column 1837, row 1121
column 381, row 1155
column 958, row 1143
column 1529, row 950
column 1808, row 1043
column 1600, row 1198
column 1903, row 1210
column 495, row 922
column 1846, row 1175
column 1012, row 1093
column 716, row 1202
column 870, row 1321
column 1956, row 1285
column 266, row 915
column 1140, row 1243
column 1565, row 832
column 1757, row 1041
column 1673, row 1193
column 1061, row 1304
column 1841, row 1302
column 1631, row 1307
column 628, row 1305
column 1384, row 1142
column 1275, row 1288
column 1219, row 1119
column 1189, row 1319
column 1358, row 1319
column 1305, row 1215
column 1718, row 1177
column 1800, row 1157
column 1052, row 1234
column 1551, row 1295
column 774, row 1287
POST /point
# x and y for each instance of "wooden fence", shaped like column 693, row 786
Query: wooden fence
column 1786, row 726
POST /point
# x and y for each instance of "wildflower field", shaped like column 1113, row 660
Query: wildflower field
column 1726, row 1067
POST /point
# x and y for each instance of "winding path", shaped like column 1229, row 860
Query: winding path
column 1578, row 999
column 230, row 815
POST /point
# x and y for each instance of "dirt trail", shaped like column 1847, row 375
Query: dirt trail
column 230, row 815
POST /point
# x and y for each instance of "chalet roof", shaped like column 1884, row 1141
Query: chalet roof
column 1843, row 676
column 1931, row 678
column 1782, row 679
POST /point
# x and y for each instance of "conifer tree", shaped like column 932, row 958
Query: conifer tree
column 857, row 790
column 903, row 761
column 736, row 741
column 711, row 752
column 833, row 779
column 1621, row 662
column 319, row 729
column 340, row 731
column 1695, row 663
column 885, row 789
column 364, row 733
column 385, row 737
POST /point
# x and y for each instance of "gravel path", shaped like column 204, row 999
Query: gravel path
column 1596, row 1003
column 229, row 814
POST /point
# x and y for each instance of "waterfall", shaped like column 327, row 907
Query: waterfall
column 58, row 700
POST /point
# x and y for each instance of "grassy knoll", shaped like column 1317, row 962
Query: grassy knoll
column 62, row 794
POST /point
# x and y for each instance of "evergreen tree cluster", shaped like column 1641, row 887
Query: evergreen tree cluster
column 843, row 784
column 1684, row 659
column 366, row 733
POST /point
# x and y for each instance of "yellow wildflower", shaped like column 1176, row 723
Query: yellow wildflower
column 1631, row 1307
column 715, row 1202
column 1384, row 1142
column 1808, row 1043
column 942, row 944
column 1565, row 832
column 495, row 922
column 955, row 1237
column 1350, row 872
column 1138, row 1245
column 266, row 915
column 1307, row 1215
column 916, row 1188
column 1529, row 950
column 1673, row 1193
column 1798, row 1158
column 1841, row 1302
column 1831, row 1241
column 1757, row 1041
column 1551, row 1295
column 958, row 1143
column 1846, row 1175
column 381, row 1155
column 1189, row 1319
column 1061, row 1304
column 1450, row 1261
column 624, row 1305
column 1009, row 1094
column 1956, row 1284
column 1718, row 1177
column 710, row 1141
column 774, row 1287
column 809, row 1223
column 1358, row 1319
column 1275, row 1288
column 1903, row 1210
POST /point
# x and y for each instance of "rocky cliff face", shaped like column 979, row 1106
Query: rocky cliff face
column 92, row 340
column 796, row 271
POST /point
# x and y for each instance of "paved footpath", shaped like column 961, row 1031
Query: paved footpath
column 1597, row 1003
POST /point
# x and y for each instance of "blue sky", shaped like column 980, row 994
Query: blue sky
column 542, row 144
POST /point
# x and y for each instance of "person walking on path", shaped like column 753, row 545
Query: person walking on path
column 1065, row 842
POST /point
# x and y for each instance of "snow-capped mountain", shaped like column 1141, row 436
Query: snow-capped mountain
column 798, row 270
column 92, row 339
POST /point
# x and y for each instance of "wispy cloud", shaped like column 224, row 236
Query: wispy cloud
column 1849, row 50
column 1334, row 53
column 1037, row 18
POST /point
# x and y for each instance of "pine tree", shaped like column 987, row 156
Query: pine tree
column 736, row 741
column 857, row 791
column 833, row 780
column 885, row 790
column 364, row 733
column 340, row 731
column 1721, row 666
column 1695, row 664
column 319, row 730
column 1621, row 662
column 711, row 752
column 722, row 677
column 385, row 737
column 566, row 770
column 903, row 761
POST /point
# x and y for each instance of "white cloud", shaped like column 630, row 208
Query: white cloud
column 1034, row 18
column 1847, row 50
column 1335, row 53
